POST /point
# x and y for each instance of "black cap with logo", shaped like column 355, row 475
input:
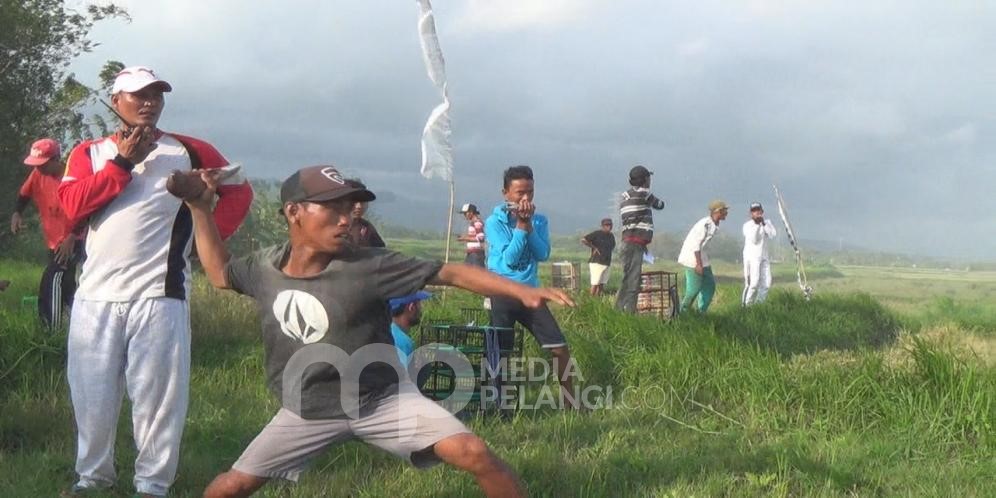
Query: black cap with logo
column 322, row 183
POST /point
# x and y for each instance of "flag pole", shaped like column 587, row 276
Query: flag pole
column 449, row 221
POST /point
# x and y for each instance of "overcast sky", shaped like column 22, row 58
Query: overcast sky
column 876, row 119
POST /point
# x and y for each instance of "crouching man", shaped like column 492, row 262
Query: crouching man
column 318, row 290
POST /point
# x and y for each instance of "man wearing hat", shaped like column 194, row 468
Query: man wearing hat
column 602, row 243
column 699, row 280
column 130, row 327
column 474, row 237
column 323, row 305
column 58, row 282
column 757, row 269
column 406, row 312
column 361, row 231
column 637, row 233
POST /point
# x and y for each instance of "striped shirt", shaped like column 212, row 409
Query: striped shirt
column 637, row 218
column 475, row 230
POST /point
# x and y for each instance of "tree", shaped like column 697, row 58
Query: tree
column 38, row 40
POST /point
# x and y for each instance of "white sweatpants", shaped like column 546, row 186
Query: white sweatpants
column 757, row 281
column 142, row 346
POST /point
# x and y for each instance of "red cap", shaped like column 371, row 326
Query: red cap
column 41, row 151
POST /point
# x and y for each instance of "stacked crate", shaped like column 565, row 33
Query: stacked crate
column 658, row 294
column 566, row 275
column 472, row 342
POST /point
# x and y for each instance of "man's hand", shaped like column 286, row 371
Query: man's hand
column 16, row 223
column 206, row 199
column 136, row 144
column 64, row 253
column 535, row 297
column 524, row 215
column 698, row 269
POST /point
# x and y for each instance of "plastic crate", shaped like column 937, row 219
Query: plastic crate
column 471, row 341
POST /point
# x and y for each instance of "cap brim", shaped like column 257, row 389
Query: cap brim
column 36, row 161
column 357, row 194
column 398, row 302
column 166, row 87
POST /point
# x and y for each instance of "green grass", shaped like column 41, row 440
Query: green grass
column 868, row 390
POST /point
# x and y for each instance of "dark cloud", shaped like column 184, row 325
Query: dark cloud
column 875, row 120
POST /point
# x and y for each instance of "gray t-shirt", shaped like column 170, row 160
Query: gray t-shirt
column 344, row 306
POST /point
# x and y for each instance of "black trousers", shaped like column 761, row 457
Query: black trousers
column 56, row 290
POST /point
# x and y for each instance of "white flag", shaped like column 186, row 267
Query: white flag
column 437, row 153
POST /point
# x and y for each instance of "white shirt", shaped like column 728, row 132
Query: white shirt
column 129, row 242
column 756, row 237
column 696, row 240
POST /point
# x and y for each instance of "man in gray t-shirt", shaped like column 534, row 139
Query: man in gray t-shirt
column 344, row 305
column 322, row 302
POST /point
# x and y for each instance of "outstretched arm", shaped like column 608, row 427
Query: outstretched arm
column 481, row 281
column 210, row 248
column 655, row 202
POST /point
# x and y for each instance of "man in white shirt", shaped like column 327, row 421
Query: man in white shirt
column 699, row 280
column 757, row 269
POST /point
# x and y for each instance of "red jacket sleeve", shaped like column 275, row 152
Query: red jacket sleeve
column 234, row 201
column 83, row 192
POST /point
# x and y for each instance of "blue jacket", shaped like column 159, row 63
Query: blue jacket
column 513, row 253
column 403, row 342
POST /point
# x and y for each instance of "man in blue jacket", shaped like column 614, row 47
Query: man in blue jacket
column 519, row 239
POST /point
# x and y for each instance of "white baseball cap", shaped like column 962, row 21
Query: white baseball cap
column 135, row 78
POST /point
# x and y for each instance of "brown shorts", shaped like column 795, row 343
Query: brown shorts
column 402, row 424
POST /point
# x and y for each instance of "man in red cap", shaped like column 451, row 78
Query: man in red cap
column 130, row 327
column 58, row 282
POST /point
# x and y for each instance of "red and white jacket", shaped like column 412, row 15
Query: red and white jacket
column 140, row 235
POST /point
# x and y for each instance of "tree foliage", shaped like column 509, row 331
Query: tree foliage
column 38, row 41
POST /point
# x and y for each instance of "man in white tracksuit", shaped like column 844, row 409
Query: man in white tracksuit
column 130, row 327
column 757, row 269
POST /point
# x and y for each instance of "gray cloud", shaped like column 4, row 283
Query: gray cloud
column 876, row 120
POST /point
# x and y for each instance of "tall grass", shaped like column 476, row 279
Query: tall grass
column 789, row 398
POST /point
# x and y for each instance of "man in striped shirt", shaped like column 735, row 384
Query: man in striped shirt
column 474, row 237
column 637, row 232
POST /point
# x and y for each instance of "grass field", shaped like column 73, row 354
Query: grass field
column 883, row 385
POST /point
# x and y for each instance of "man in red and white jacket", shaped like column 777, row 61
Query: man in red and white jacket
column 130, row 327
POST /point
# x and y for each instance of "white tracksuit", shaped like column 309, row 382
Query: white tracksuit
column 757, row 268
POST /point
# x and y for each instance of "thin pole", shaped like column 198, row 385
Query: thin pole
column 449, row 221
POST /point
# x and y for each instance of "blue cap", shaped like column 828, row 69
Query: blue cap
column 396, row 303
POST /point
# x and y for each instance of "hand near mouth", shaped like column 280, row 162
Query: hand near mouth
column 136, row 143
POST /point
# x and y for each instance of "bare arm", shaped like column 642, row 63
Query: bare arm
column 211, row 250
column 483, row 282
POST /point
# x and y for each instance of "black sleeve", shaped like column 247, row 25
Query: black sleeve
column 21, row 204
column 398, row 275
column 655, row 202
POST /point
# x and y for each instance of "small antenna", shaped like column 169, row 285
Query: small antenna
column 108, row 106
